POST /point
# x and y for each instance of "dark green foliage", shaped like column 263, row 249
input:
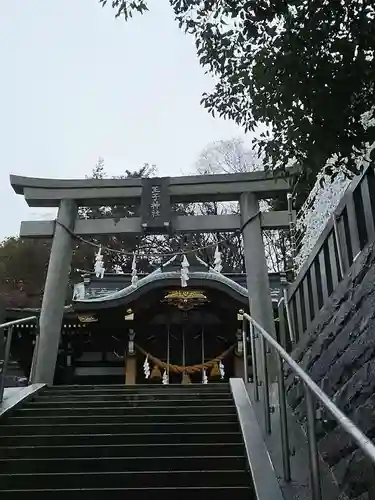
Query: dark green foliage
column 302, row 69
column 127, row 8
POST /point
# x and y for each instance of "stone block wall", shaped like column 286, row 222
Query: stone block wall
column 338, row 352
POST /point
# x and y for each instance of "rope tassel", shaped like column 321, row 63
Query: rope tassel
column 146, row 368
column 165, row 380
column 217, row 260
column 99, row 265
column 134, row 271
column 222, row 370
column 184, row 272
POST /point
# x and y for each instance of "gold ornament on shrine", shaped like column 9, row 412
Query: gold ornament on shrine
column 185, row 300
column 87, row 319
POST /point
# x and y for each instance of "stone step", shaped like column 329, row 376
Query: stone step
column 180, row 493
column 149, row 396
column 120, row 464
column 118, row 421
column 142, row 388
column 132, row 479
column 134, row 442
column 118, row 439
column 63, row 403
column 120, row 450
column 124, row 419
column 223, row 424
column 71, row 411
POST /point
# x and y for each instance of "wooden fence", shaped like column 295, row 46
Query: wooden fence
column 349, row 230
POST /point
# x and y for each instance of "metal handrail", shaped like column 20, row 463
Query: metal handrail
column 311, row 390
column 4, row 368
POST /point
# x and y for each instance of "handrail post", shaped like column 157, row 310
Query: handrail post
column 254, row 362
column 291, row 228
column 313, row 447
column 244, row 350
column 33, row 362
column 282, row 326
column 283, row 419
column 4, row 368
column 338, row 245
column 266, row 394
column 284, row 286
column 282, row 397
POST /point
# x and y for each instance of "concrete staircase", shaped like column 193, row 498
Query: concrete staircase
column 141, row 442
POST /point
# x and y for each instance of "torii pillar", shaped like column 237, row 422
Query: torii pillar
column 54, row 296
column 260, row 302
column 255, row 262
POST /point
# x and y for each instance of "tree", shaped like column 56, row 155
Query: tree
column 226, row 157
column 231, row 156
column 304, row 70
column 23, row 265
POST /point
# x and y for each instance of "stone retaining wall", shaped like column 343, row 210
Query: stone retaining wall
column 338, row 352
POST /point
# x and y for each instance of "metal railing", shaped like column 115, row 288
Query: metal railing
column 349, row 230
column 312, row 393
column 6, row 357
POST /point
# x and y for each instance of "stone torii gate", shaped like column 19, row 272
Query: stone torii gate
column 155, row 197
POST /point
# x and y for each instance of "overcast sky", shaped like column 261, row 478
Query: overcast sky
column 77, row 84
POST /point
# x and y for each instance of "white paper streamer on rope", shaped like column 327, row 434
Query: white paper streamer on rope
column 184, row 272
column 99, row 265
column 134, row 272
column 146, row 368
column 204, row 377
column 217, row 260
column 222, row 370
column 165, row 380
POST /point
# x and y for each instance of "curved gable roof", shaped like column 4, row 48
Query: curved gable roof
column 160, row 279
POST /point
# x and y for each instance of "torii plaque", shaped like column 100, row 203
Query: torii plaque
column 155, row 205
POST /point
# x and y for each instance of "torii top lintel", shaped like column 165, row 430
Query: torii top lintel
column 93, row 192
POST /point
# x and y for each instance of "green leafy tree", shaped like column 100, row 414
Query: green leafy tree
column 23, row 265
column 302, row 70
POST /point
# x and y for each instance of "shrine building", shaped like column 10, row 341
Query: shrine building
column 114, row 331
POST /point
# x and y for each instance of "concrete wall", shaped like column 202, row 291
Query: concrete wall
column 338, row 351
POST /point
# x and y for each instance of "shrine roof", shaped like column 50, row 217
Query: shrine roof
column 116, row 289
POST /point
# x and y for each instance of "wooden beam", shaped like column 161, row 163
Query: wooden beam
column 184, row 224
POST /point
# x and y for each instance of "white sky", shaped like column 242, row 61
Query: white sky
column 77, row 84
